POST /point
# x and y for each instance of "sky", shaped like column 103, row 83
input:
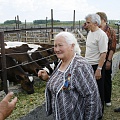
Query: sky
column 63, row 10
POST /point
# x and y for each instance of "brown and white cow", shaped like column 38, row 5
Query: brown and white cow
column 33, row 51
column 17, row 75
column 42, row 61
column 46, row 56
column 24, row 60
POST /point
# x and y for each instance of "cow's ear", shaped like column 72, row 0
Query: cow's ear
column 50, row 52
column 18, row 77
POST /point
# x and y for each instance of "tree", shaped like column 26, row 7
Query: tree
column 11, row 22
column 44, row 21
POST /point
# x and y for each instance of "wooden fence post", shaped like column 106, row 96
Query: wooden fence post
column 79, row 25
column 52, row 22
column 74, row 20
column 3, row 62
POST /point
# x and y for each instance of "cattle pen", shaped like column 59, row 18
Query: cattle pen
column 37, row 111
column 24, row 35
column 30, row 35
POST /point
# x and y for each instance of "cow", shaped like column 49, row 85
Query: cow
column 17, row 75
column 43, row 62
column 45, row 49
column 48, row 50
column 45, row 52
column 24, row 48
column 42, row 56
column 25, row 60
column 32, row 50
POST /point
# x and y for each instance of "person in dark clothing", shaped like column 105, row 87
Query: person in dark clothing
column 108, row 63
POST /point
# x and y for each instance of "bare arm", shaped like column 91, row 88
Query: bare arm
column 109, row 60
column 100, row 65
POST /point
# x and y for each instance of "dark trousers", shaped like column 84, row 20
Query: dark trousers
column 108, row 85
column 100, row 84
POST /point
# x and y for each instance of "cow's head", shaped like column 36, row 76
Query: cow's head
column 26, row 83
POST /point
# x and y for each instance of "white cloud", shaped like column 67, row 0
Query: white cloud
column 24, row 5
column 62, row 9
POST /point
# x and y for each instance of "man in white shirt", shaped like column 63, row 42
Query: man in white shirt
column 96, row 49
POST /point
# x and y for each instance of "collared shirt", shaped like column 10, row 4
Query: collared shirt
column 112, row 38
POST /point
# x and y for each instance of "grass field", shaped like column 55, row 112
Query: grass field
column 27, row 103
column 109, row 113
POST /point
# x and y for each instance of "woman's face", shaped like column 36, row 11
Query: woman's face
column 62, row 49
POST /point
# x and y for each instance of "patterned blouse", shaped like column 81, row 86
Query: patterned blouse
column 73, row 94
column 112, row 38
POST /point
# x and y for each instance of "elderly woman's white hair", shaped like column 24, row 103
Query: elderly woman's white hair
column 95, row 18
column 70, row 39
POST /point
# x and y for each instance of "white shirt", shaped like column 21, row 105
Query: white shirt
column 96, row 43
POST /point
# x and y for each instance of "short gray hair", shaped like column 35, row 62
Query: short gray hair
column 95, row 18
column 70, row 39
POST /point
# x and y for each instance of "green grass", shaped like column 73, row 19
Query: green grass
column 109, row 113
column 27, row 103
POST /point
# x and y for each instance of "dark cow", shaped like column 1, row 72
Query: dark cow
column 45, row 45
column 25, row 60
column 43, row 62
column 31, row 50
column 23, row 48
column 49, row 51
column 18, row 75
column 45, row 52
column 44, row 57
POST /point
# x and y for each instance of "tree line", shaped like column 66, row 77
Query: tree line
column 7, row 22
column 56, row 22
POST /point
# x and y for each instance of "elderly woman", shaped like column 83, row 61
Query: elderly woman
column 71, row 90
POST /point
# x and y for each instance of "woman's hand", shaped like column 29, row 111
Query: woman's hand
column 43, row 75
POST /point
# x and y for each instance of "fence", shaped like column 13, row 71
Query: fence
column 23, row 35
column 41, row 35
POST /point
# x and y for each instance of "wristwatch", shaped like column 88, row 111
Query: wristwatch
column 99, row 68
